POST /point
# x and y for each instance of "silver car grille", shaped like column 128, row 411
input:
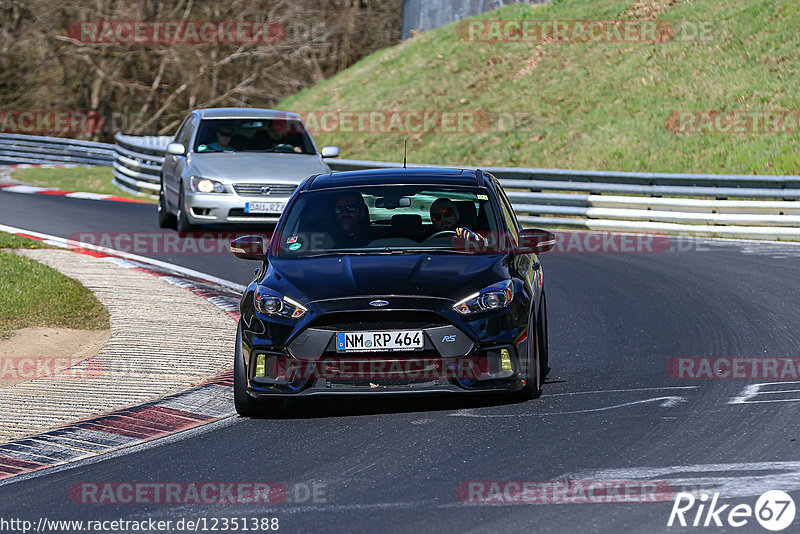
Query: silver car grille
column 263, row 190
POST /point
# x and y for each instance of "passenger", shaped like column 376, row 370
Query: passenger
column 444, row 215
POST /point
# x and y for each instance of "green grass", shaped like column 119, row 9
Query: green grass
column 32, row 294
column 600, row 106
column 83, row 179
column 14, row 241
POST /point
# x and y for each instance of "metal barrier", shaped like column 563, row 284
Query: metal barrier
column 712, row 205
column 137, row 166
column 35, row 149
column 718, row 205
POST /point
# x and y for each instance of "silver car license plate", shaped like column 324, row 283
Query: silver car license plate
column 264, row 207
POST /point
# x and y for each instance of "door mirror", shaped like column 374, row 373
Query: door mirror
column 249, row 247
column 536, row 241
column 330, row 152
column 176, row 149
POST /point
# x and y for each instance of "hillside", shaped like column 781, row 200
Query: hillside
column 588, row 105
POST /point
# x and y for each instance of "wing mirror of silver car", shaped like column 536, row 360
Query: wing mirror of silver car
column 176, row 149
column 330, row 152
column 536, row 241
column 249, row 247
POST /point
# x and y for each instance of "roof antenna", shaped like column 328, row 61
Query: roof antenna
column 405, row 151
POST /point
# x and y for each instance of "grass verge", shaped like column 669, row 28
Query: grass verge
column 584, row 105
column 83, row 179
column 32, row 294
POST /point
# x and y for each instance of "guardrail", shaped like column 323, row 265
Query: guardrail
column 37, row 149
column 715, row 205
column 744, row 206
column 137, row 166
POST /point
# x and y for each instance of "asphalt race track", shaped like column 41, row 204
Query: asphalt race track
column 609, row 410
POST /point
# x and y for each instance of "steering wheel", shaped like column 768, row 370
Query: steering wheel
column 283, row 147
column 442, row 233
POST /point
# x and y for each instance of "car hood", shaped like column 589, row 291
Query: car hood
column 258, row 166
column 450, row 276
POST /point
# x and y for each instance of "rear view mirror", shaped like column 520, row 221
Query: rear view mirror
column 536, row 241
column 176, row 149
column 391, row 203
column 249, row 247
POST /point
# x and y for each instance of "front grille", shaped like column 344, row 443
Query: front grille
column 381, row 370
column 240, row 214
column 378, row 320
column 378, row 385
column 264, row 190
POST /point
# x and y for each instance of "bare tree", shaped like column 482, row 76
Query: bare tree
column 147, row 87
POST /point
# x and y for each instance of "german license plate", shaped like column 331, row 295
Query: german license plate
column 264, row 207
column 379, row 341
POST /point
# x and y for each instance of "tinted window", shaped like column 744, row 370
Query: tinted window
column 508, row 213
column 387, row 219
column 185, row 131
column 253, row 135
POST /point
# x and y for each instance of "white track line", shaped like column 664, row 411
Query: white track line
column 70, row 243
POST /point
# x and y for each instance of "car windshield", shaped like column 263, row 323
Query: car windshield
column 387, row 220
column 253, row 135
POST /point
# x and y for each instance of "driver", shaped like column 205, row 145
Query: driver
column 224, row 133
column 352, row 217
column 444, row 215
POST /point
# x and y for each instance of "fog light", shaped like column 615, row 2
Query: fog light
column 505, row 360
column 261, row 366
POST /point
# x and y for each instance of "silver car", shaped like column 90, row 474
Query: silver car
column 235, row 165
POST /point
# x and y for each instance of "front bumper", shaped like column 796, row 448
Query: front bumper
column 204, row 208
column 481, row 356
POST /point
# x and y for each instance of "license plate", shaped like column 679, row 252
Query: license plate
column 379, row 341
column 264, row 207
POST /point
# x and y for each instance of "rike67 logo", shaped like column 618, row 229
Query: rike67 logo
column 774, row 510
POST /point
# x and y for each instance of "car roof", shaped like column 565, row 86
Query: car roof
column 438, row 176
column 245, row 113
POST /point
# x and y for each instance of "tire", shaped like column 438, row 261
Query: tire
column 182, row 221
column 533, row 374
column 165, row 218
column 245, row 404
column 544, row 348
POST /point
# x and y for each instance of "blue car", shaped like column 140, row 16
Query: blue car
column 394, row 281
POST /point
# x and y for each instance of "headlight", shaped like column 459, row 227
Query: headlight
column 205, row 185
column 271, row 303
column 494, row 297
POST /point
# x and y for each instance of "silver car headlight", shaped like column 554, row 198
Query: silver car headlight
column 494, row 297
column 272, row 303
column 207, row 185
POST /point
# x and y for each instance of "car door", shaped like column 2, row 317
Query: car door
column 173, row 167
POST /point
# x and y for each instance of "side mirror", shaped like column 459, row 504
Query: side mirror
column 176, row 149
column 249, row 247
column 330, row 152
column 536, row 241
